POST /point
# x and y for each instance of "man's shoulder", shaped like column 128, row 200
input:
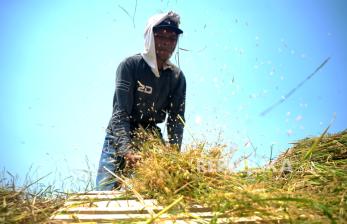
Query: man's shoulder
column 137, row 58
column 134, row 62
column 176, row 71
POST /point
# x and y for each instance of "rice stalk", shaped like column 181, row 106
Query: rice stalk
column 314, row 188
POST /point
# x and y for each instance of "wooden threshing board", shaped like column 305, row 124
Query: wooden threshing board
column 115, row 207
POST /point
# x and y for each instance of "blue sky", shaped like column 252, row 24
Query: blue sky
column 58, row 60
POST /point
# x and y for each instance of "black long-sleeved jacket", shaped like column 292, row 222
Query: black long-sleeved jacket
column 143, row 99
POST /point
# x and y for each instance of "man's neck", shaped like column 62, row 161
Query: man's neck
column 160, row 65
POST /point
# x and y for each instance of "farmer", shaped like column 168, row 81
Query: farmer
column 148, row 88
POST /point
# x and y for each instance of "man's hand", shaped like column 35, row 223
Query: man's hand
column 132, row 159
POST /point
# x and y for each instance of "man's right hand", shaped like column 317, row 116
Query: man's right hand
column 132, row 159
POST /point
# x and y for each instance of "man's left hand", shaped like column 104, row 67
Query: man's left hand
column 132, row 159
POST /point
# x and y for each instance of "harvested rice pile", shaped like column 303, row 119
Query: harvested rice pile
column 23, row 206
column 319, row 173
column 306, row 184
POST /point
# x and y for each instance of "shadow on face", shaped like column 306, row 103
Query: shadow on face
column 165, row 43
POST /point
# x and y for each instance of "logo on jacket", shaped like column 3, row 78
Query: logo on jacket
column 143, row 88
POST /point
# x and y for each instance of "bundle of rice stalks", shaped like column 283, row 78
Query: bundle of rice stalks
column 313, row 190
column 318, row 170
column 25, row 206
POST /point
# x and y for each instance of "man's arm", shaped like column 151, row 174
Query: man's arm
column 122, row 106
column 176, row 111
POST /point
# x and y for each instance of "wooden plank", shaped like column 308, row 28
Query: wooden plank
column 139, row 222
column 110, row 206
column 126, row 204
column 126, row 217
column 109, row 210
column 80, row 218
column 93, row 197
column 112, row 203
column 99, row 192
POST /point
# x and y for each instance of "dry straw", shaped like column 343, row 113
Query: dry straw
column 294, row 188
column 306, row 184
column 27, row 204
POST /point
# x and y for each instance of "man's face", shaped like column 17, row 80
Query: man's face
column 165, row 43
